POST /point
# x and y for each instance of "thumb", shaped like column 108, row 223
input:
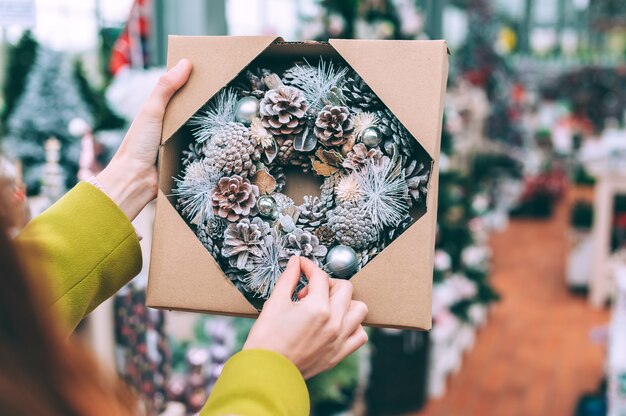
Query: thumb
column 168, row 84
column 287, row 281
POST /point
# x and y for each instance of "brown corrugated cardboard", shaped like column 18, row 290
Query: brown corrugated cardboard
column 408, row 76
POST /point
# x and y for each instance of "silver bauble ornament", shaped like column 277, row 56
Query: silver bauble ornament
column 341, row 261
column 371, row 137
column 247, row 108
column 267, row 207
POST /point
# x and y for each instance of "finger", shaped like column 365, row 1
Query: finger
column 168, row 84
column 318, row 280
column 340, row 297
column 354, row 317
column 305, row 290
column 355, row 341
column 287, row 281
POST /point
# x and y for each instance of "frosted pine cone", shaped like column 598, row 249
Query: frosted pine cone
column 303, row 244
column 287, row 154
column 364, row 256
column 333, row 125
column 394, row 232
column 394, row 131
column 312, row 213
column 416, row 175
column 279, row 174
column 242, row 241
column 283, row 202
column 359, row 155
column 233, row 151
column 293, row 75
column 359, row 95
column 205, row 234
column 234, row 197
column 352, row 226
column 327, row 191
column 192, row 153
column 283, row 110
column 252, row 83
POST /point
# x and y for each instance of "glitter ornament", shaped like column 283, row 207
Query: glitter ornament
column 341, row 261
column 246, row 110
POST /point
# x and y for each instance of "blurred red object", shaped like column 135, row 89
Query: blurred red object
column 131, row 48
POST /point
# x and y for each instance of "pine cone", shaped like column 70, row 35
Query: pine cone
column 242, row 241
column 394, row 232
column 192, row 153
column 359, row 95
column 416, row 175
column 303, row 244
column 283, row 202
column 325, row 234
column 279, row 174
column 327, row 191
column 251, row 83
column 352, row 226
column 235, row 197
column 333, row 125
column 233, row 151
column 365, row 255
column 312, row 213
column 206, row 233
column 395, row 132
column 289, row 77
column 287, row 155
column 359, row 155
column 283, row 110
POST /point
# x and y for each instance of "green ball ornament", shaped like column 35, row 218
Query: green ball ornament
column 371, row 137
column 341, row 261
column 247, row 109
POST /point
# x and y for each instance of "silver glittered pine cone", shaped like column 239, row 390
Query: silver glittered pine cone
column 234, row 197
column 394, row 232
column 393, row 131
column 192, row 153
column 283, row 202
column 303, row 244
column 233, row 151
column 312, row 213
column 333, row 125
column 352, row 226
column 416, row 175
column 359, row 95
column 283, row 110
column 242, row 241
column 359, row 155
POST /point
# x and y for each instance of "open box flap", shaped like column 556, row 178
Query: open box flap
column 202, row 283
column 211, row 71
column 410, row 84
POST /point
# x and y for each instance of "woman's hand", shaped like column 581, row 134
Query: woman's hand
column 317, row 332
column 130, row 179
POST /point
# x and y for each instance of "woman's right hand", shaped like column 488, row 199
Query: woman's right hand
column 317, row 332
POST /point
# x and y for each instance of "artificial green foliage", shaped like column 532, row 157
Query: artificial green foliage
column 582, row 177
column 20, row 59
column 487, row 166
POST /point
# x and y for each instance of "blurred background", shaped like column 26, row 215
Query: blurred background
column 529, row 300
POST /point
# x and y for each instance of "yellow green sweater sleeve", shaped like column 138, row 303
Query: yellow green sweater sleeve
column 258, row 383
column 85, row 249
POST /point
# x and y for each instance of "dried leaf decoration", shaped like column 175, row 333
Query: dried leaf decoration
column 265, row 182
column 329, row 157
column 321, row 168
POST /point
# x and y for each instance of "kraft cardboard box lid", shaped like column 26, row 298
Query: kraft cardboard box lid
column 408, row 76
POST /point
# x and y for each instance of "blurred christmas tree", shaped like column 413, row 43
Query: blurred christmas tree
column 20, row 59
column 50, row 100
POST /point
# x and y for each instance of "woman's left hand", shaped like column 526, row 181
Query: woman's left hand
column 130, row 179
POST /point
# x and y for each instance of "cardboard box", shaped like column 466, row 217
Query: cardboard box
column 408, row 76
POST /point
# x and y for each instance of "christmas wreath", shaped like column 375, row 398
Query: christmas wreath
column 320, row 119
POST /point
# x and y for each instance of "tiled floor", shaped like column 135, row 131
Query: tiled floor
column 534, row 356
